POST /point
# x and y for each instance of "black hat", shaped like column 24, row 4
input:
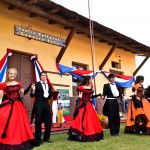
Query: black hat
column 111, row 76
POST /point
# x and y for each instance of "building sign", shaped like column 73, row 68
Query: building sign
column 36, row 35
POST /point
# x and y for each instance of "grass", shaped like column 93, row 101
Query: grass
column 122, row 142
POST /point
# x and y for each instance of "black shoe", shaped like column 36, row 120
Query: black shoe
column 113, row 135
column 35, row 143
column 48, row 141
column 38, row 142
column 117, row 134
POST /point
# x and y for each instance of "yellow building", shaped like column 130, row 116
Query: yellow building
column 112, row 50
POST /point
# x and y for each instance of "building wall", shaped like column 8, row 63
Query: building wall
column 79, row 49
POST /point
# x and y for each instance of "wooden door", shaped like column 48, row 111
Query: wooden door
column 24, row 66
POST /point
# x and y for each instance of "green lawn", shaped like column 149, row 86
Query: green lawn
column 122, row 142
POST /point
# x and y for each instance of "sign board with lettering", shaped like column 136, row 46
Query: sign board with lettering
column 36, row 35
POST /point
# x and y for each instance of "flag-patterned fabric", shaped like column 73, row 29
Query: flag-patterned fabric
column 4, row 66
column 37, row 70
column 77, row 73
column 121, row 80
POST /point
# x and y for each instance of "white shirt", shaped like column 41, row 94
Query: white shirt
column 45, row 89
column 114, row 89
column 124, row 96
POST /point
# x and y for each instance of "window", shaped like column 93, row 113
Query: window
column 75, row 82
column 116, row 65
column 116, row 71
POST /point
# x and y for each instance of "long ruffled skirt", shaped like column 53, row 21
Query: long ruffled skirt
column 86, row 126
column 18, row 135
column 138, row 119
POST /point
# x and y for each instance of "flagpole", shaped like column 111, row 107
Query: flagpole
column 92, row 43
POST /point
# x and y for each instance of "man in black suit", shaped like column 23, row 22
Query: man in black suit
column 42, row 92
column 111, row 106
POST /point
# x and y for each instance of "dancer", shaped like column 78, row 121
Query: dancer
column 85, row 126
column 42, row 92
column 138, row 118
column 111, row 106
column 15, row 128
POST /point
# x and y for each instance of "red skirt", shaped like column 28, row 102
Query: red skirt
column 86, row 126
column 19, row 134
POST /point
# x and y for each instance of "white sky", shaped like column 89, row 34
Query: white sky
column 129, row 17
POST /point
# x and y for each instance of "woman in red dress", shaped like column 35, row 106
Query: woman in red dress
column 15, row 128
column 86, row 126
column 138, row 118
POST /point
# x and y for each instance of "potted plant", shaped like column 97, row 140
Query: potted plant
column 104, row 121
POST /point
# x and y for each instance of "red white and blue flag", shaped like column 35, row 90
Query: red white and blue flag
column 4, row 66
column 121, row 80
column 77, row 73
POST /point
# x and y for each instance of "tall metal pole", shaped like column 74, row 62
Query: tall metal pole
column 92, row 43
